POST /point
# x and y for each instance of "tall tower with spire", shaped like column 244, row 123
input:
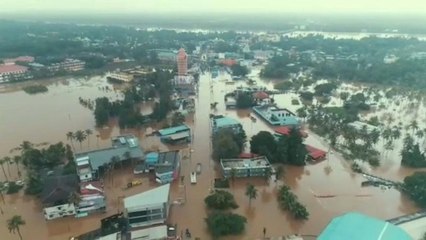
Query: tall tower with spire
column 182, row 62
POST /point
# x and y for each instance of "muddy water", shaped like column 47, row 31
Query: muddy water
column 47, row 117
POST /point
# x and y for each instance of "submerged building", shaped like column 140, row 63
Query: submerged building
column 356, row 226
column 277, row 116
column 245, row 167
column 123, row 148
column 220, row 122
column 148, row 208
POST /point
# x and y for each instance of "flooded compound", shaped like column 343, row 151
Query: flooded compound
column 328, row 188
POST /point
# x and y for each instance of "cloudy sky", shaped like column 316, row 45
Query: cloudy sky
column 214, row 6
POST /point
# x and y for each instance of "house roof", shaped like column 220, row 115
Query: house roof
column 167, row 161
column 247, row 155
column 357, row 226
column 58, row 188
column 315, row 153
column 100, row 157
column 91, row 188
column 173, row 130
column 154, row 196
column 261, row 95
column 12, row 68
column 225, row 122
column 157, row 232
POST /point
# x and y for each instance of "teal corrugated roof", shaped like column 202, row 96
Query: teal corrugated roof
column 225, row 121
column 173, row 130
column 356, row 226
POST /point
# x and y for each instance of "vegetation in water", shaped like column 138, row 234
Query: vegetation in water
column 220, row 200
column 224, row 224
column 415, row 187
column 288, row 202
column 34, row 89
column 228, row 144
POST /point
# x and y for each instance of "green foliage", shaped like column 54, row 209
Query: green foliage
column 344, row 96
column 288, row 202
column 325, row 89
column 177, row 119
column 220, row 200
column 307, row 96
column 34, row 89
column 221, row 183
column 415, row 187
column 284, row 85
column 245, row 100
column 224, row 145
column 286, row 149
column 412, row 156
column 13, row 188
column 223, row 224
column 277, row 67
column 238, row 70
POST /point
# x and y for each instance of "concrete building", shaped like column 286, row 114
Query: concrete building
column 221, row 122
column 174, row 135
column 277, row 116
column 12, row 72
column 245, row 167
column 12, row 61
column 120, row 76
column 69, row 65
column 356, row 226
column 92, row 198
column 123, row 148
column 148, row 208
column 182, row 62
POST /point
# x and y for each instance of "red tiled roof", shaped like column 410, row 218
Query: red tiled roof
column 12, row 68
column 228, row 62
column 261, row 95
column 247, row 155
column 283, row 130
column 20, row 59
column 315, row 153
column 286, row 131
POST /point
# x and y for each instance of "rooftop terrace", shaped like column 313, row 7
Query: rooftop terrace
column 237, row 163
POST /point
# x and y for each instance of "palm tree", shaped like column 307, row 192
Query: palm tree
column 251, row 192
column 2, row 162
column 80, row 136
column 70, row 137
column 25, row 146
column 14, row 224
column 420, row 134
column 414, row 126
column 88, row 133
column 17, row 160
column 279, row 173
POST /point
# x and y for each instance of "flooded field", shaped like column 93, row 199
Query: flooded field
column 47, row 118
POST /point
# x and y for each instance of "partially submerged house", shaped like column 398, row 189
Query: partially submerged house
column 221, row 122
column 315, row 154
column 165, row 165
column 123, row 148
column 148, row 208
column 55, row 197
column 92, row 198
column 277, row 116
column 175, row 135
column 245, row 167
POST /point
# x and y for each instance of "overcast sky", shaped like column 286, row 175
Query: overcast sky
column 214, row 6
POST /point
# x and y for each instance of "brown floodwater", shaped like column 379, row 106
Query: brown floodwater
column 47, row 117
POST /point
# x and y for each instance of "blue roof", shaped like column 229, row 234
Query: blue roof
column 173, row 130
column 356, row 226
column 151, row 158
column 225, row 121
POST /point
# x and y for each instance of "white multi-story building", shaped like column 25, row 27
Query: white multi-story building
column 69, row 65
column 12, row 72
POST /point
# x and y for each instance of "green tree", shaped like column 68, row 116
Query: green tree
column 238, row 70
column 233, row 175
column 415, row 187
column 17, row 160
column 296, row 149
column 245, row 100
column 80, row 136
column 264, row 144
column 223, row 224
column 224, row 145
column 177, row 119
column 70, row 137
column 279, row 173
column 220, row 200
column 14, row 224
column 88, row 132
column 251, row 192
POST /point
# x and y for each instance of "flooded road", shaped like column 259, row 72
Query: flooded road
column 47, row 118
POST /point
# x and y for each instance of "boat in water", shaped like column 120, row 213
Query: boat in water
column 193, row 178
column 198, row 168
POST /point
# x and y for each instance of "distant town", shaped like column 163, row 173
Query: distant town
column 128, row 133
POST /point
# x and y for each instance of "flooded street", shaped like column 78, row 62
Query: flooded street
column 47, row 117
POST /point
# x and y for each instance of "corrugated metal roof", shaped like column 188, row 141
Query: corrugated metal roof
column 157, row 195
column 356, row 226
column 173, row 130
column 225, row 121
